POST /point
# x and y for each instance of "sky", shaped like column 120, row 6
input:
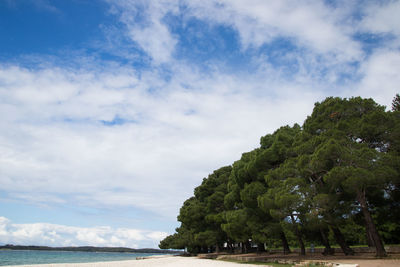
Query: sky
column 113, row 111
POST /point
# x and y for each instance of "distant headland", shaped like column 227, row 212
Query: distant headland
column 90, row 249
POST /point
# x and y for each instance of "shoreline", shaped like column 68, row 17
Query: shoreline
column 53, row 257
column 150, row 261
column 179, row 261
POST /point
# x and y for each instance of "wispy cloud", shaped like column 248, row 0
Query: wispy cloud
column 382, row 18
column 42, row 5
column 45, row 5
column 312, row 25
column 145, row 26
column 380, row 76
column 311, row 39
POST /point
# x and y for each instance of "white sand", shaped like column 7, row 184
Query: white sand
column 164, row 261
column 171, row 261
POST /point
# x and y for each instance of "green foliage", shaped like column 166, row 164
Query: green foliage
column 250, row 193
column 341, row 169
column 396, row 103
column 235, row 225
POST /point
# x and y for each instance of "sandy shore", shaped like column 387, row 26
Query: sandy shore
column 164, row 261
column 171, row 261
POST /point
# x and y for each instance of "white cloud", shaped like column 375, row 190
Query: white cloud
column 382, row 21
column 61, row 235
column 53, row 143
column 151, row 34
column 380, row 77
column 309, row 24
column 382, row 18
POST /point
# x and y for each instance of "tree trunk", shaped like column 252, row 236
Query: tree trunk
column 325, row 241
column 370, row 241
column 198, row 249
column 285, row 244
column 341, row 242
column 380, row 249
column 260, row 247
column 247, row 246
column 298, row 235
column 230, row 247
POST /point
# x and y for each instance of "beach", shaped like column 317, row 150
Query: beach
column 174, row 261
column 165, row 261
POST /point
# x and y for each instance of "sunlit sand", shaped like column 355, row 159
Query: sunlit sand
column 174, row 261
column 164, row 261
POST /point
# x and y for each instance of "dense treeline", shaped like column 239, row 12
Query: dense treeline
column 333, row 181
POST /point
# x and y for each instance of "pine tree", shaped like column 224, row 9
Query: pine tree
column 396, row 103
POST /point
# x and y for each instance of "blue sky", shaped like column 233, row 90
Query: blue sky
column 113, row 111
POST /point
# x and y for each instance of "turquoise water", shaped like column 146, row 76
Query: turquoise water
column 20, row 257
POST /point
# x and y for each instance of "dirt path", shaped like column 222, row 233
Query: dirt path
column 363, row 260
column 371, row 262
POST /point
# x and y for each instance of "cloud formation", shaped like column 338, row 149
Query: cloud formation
column 143, row 20
column 46, row 234
column 312, row 26
column 56, row 142
column 381, row 18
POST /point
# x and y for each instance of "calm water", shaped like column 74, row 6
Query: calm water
column 20, row 257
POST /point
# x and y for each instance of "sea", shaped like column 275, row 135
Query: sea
column 23, row 257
